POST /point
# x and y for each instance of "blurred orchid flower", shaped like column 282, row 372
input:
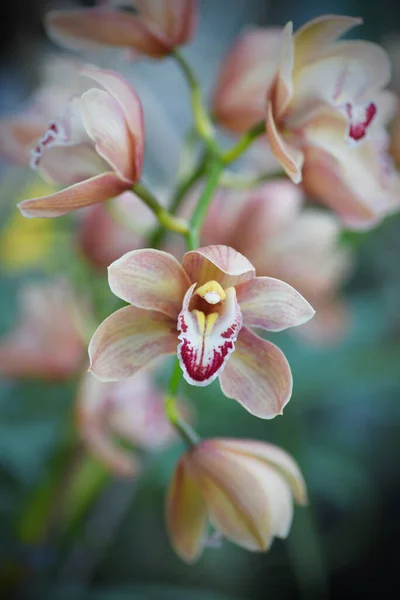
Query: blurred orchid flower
column 132, row 410
column 269, row 225
column 125, row 229
column 208, row 303
column 326, row 112
column 155, row 29
column 244, row 488
column 95, row 147
column 46, row 342
column 395, row 139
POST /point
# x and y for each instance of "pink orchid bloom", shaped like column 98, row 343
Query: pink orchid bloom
column 19, row 132
column 95, row 147
column 326, row 112
column 202, row 310
column 269, row 225
column 244, row 488
column 132, row 410
column 124, row 230
column 45, row 343
column 155, row 29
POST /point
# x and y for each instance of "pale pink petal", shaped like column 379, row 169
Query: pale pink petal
column 290, row 157
column 98, row 189
column 149, row 279
column 207, row 342
column 105, row 123
column 125, row 95
column 186, row 514
column 272, row 304
column 220, row 263
column 283, row 89
column 319, row 34
column 247, row 73
column 271, row 454
column 128, row 340
column 258, row 376
column 87, row 28
column 67, row 165
column 174, row 19
column 17, row 136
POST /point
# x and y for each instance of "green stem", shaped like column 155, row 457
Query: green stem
column 189, row 436
column 165, row 218
column 200, row 211
column 236, row 182
column 202, row 120
column 245, row 141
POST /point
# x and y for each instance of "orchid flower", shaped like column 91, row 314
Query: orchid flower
column 269, row 225
column 202, row 310
column 95, row 147
column 46, row 342
column 132, row 410
column 244, row 488
column 326, row 112
column 155, row 29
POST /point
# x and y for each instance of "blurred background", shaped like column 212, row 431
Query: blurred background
column 108, row 539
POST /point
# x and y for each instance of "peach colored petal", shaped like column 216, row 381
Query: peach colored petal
column 175, row 19
column 71, row 164
column 125, row 95
column 290, row 157
column 272, row 304
column 149, row 279
column 97, row 189
column 272, row 455
column 219, row 263
column 283, row 89
column 82, row 29
column 186, row 514
column 258, row 376
column 318, row 34
column 128, row 340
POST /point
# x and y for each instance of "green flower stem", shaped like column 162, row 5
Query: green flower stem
column 165, row 218
column 202, row 120
column 245, row 141
column 201, row 209
column 236, row 182
column 189, row 436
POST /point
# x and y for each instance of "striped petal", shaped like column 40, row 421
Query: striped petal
column 186, row 514
column 258, row 376
column 149, row 279
column 290, row 157
column 91, row 191
column 207, row 341
column 128, row 340
column 272, row 304
column 220, row 263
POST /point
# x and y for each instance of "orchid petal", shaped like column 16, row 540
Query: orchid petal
column 186, row 514
column 290, row 157
column 94, row 190
column 258, row 376
column 220, row 263
column 87, row 28
column 207, row 341
column 175, row 19
column 149, row 279
column 274, row 456
column 128, row 340
column 272, row 304
column 283, row 91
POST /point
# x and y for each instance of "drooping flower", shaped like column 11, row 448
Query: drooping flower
column 131, row 410
column 243, row 488
column 155, row 29
column 207, row 305
column 95, row 147
column 46, row 342
column 326, row 112
column 282, row 239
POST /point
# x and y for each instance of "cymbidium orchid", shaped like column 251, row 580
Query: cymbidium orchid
column 269, row 225
column 131, row 410
column 46, row 342
column 207, row 305
column 243, row 488
column 95, row 147
column 155, row 29
column 326, row 112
